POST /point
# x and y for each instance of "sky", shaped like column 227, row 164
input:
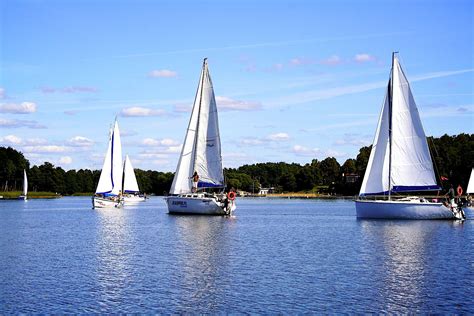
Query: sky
column 294, row 80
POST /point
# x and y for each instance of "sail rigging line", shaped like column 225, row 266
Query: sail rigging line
column 390, row 109
column 196, row 136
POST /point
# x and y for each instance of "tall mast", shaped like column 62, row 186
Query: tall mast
column 390, row 108
column 204, row 63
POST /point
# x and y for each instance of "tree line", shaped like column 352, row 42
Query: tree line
column 453, row 157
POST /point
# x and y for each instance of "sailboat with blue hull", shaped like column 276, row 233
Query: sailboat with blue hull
column 400, row 161
column 109, row 189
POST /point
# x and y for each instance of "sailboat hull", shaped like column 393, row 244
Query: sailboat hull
column 133, row 198
column 105, row 203
column 402, row 210
column 198, row 205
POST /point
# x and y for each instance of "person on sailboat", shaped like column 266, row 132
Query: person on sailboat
column 195, row 178
column 451, row 196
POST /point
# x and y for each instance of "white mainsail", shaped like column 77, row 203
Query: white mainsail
column 110, row 181
column 130, row 184
column 400, row 160
column 470, row 185
column 201, row 150
column 25, row 183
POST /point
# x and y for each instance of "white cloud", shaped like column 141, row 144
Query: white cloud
column 362, row 58
column 14, row 108
column 228, row 104
column 138, row 111
column 332, row 61
column 159, row 142
column 164, row 73
column 80, row 141
column 315, row 152
column 305, row 151
column 353, row 140
column 301, row 61
column 278, row 137
column 45, row 149
column 270, row 139
column 2, row 93
column 36, row 141
column 10, row 140
column 66, row 160
column 183, row 108
column 20, row 123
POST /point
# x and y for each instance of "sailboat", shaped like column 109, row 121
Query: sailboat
column 201, row 155
column 109, row 189
column 24, row 196
column 400, row 160
column 131, row 192
column 470, row 190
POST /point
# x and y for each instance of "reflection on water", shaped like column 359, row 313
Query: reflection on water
column 404, row 260
column 276, row 256
column 114, row 246
column 203, row 258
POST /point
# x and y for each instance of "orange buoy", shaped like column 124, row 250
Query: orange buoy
column 231, row 195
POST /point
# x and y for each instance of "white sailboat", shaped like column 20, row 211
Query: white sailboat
column 131, row 192
column 470, row 190
column 109, row 189
column 201, row 153
column 400, row 160
column 24, row 196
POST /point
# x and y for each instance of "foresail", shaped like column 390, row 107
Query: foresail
column 208, row 163
column 376, row 175
column 130, row 184
column 411, row 167
column 182, row 177
column 110, row 180
column 25, row 183
column 470, row 185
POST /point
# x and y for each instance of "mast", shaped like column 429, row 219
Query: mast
column 390, row 109
column 204, row 63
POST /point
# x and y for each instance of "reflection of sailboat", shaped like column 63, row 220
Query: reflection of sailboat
column 201, row 154
column 109, row 188
column 400, row 160
column 25, row 187
column 131, row 192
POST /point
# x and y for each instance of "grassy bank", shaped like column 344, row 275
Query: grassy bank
column 31, row 195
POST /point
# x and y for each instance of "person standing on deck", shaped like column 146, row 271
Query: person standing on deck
column 451, row 196
column 195, row 178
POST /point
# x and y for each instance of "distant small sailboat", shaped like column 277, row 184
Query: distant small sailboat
column 109, row 189
column 201, row 159
column 400, row 160
column 131, row 192
column 470, row 190
column 24, row 196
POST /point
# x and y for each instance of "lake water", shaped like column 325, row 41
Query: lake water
column 274, row 255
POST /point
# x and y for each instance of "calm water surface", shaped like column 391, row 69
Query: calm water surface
column 275, row 255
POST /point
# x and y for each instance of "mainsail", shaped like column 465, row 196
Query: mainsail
column 470, row 185
column 130, row 184
column 201, row 150
column 400, row 160
column 110, row 181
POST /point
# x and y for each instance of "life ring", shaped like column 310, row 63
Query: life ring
column 459, row 191
column 231, row 195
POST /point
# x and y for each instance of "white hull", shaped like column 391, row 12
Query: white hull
column 402, row 210
column 133, row 199
column 105, row 203
column 198, row 205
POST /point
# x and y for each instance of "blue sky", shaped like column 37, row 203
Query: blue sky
column 294, row 80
